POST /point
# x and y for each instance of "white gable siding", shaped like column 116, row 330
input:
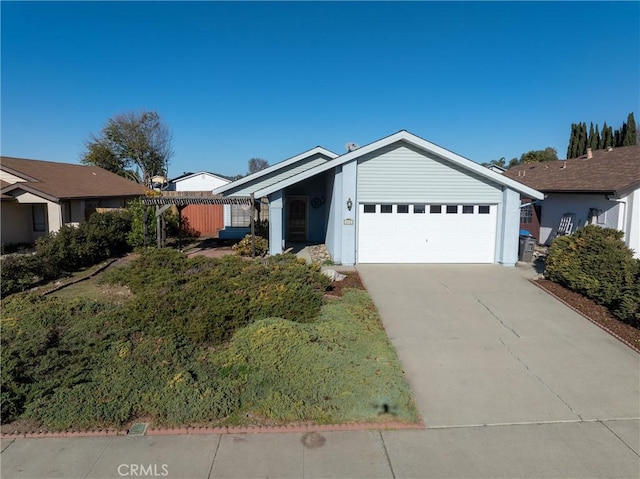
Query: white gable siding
column 277, row 176
column 402, row 173
column 199, row 182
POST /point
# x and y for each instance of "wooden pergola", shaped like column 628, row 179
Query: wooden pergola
column 182, row 199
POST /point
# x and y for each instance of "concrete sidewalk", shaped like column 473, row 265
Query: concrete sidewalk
column 577, row 450
column 510, row 383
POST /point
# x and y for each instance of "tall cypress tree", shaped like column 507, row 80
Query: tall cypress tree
column 592, row 142
column 632, row 132
column 624, row 135
column 572, row 142
column 598, row 139
column 582, row 140
column 617, row 138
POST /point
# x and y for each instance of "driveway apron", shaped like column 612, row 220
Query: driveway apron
column 481, row 345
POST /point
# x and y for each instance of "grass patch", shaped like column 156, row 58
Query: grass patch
column 79, row 359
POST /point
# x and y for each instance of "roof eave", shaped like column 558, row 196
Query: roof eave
column 421, row 143
column 276, row 167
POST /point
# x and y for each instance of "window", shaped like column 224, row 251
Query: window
column 240, row 216
column 467, row 209
column 418, row 209
column 369, row 208
column 526, row 214
column 484, row 209
column 403, row 209
column 39, row 216
column 452, row 209
column 435, row 209
column 386, row 208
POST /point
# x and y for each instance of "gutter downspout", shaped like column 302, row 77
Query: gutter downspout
column 622, row 218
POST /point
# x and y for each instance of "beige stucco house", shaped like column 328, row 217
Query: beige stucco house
column 38, row 197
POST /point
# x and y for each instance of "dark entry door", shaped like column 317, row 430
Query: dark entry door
column 297, row 218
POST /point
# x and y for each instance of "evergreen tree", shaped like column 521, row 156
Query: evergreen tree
column 617, row 138
column 571, row 149
column 582, row 140
column 624, row 135
column 631, row 130
column 607, row 136
column 598, row 139
column 592, row 141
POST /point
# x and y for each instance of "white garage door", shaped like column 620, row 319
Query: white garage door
column 415, row 233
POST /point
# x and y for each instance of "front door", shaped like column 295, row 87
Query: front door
column 297, row 218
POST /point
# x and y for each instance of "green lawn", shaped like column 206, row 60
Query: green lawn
column 180, row 341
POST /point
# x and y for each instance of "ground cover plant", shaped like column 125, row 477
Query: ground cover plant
column 198, row 342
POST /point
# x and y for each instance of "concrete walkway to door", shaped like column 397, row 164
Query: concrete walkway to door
column 483, row 346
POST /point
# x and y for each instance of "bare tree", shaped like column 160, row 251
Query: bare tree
column 133, row 145
column 257, row 164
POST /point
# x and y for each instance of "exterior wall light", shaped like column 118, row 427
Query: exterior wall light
column 349, row 204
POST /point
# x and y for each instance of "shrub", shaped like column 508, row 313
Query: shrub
column 19, row 273
column 69, row 249
column 244, row 248
column 208, row 299
column 595, row 262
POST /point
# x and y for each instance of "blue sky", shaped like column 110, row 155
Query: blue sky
column 237, row 80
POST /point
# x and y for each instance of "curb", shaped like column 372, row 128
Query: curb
column 601, row 326
column 194, row 431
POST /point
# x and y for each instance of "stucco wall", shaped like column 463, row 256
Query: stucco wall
column 556, row 205
column 16, row 224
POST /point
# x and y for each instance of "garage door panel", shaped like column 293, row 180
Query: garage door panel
column 427, row 237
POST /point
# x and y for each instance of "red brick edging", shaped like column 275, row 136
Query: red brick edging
column 391, row 425
column 601, row 326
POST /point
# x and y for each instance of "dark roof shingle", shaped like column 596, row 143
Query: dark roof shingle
column 607, row 172
column 66, row 181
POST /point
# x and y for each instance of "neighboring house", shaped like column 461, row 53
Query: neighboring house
column 39, row 197
column 601, row 188
column 400, row 199
column 208, row 220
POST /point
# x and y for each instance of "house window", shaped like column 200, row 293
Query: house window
column 435, row 209
column 418, row 209
column 484, row 209
column 386, row 208
column 39, row 217
column 403, row 208
column 369, row 208
column 452, row 209
column 239, row 216
column 467, row 209
column 526, row 214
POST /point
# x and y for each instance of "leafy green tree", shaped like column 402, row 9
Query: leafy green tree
column 500, row 162
column 598, row 141
column 539, row 156
column 133, row 145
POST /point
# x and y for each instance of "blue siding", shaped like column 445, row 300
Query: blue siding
column 277, row 176
column 403, row 173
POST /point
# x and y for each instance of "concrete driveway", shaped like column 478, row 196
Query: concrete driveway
column 481, row 345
